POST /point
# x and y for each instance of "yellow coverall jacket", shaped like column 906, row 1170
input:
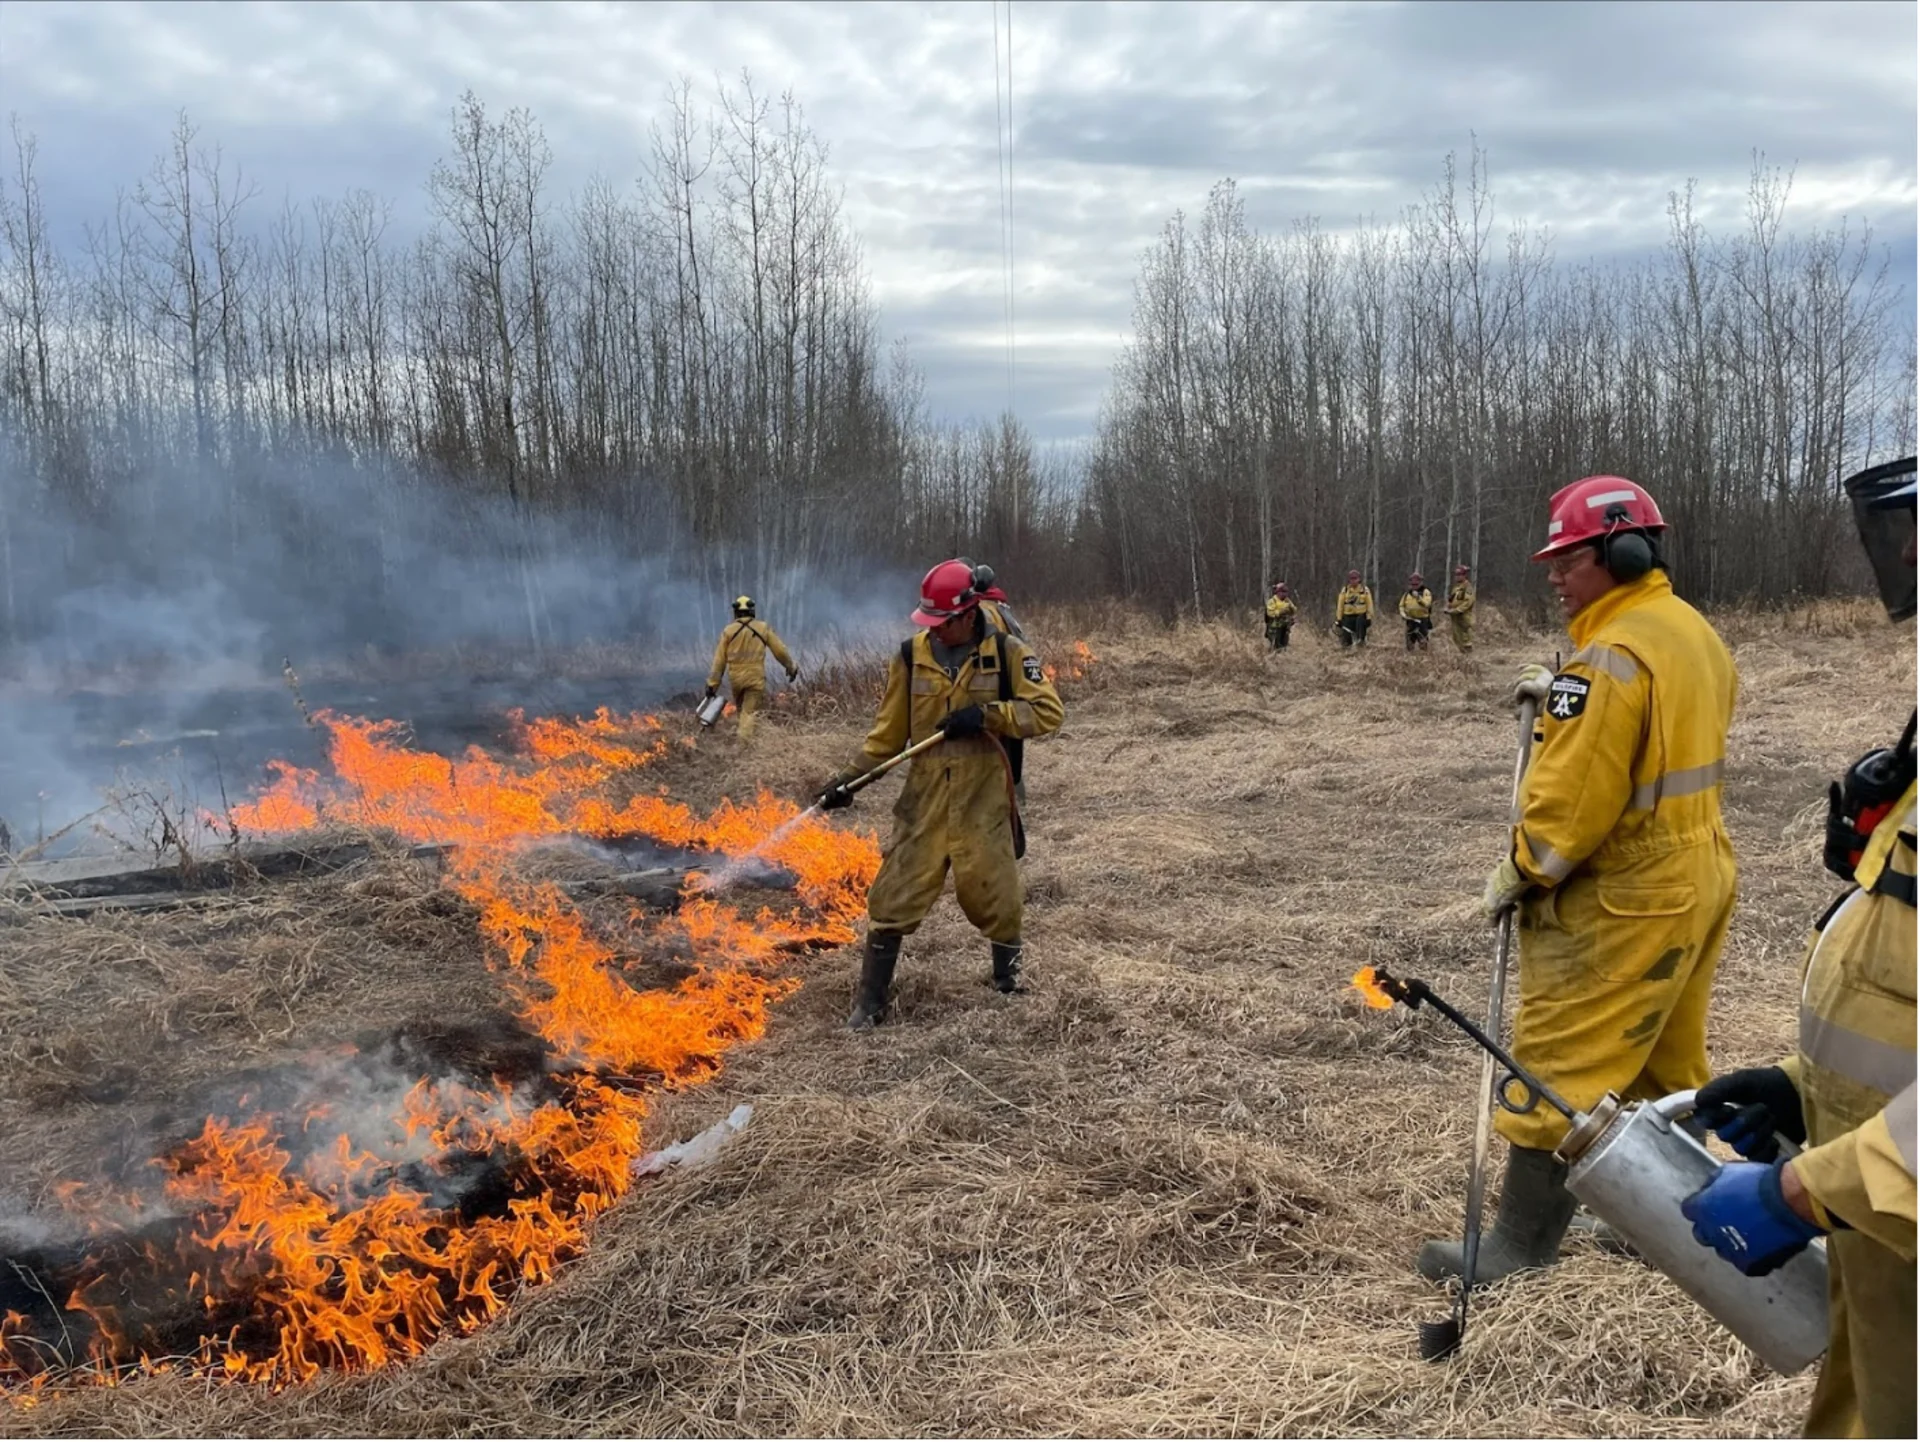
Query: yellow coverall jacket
column 957, row 806
column 1416, row 605
column 1619, row 829
column 742, row 654
column 1855, row 1071
column 1460, row 613
column 1355, row 601
column 1280, row 613
column 1000, row 617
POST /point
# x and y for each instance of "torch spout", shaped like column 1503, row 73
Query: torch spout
column 1414, row 993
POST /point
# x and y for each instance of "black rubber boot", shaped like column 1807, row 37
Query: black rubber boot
column 1006, row 967
column 876, row 979
column 1535, row 1208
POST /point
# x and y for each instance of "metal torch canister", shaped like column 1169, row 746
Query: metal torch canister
column 1632, row 1165
column 710, row 709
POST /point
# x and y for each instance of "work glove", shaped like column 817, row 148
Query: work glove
column 712, row 691
column 835, row 798
column 1505, row 887
column 1743, row 1215
column 1534, row 684
column 793, row 676
column 1745, row 1108
column 967, row 721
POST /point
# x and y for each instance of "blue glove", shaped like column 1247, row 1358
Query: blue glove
column 1742, row 1215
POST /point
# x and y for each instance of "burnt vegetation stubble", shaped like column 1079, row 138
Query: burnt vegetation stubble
column 1175, row 1189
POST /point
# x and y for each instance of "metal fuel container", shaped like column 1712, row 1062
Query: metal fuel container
column 709, row 710
column 1632, row 1165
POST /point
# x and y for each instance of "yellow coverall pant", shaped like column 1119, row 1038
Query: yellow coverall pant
column 1461, row 623
column 750, row 701
column 1615, row 974
column 952, row 813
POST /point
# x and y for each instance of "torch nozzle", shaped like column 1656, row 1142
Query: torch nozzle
column 1414, row 993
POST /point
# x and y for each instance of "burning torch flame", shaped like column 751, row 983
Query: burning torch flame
column 1370, row 990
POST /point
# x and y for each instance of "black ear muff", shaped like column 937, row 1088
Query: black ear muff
column 1627, row 555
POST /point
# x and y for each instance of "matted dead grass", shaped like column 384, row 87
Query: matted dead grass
column 1176, row 1190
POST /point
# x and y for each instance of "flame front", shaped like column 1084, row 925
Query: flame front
column 1370, row 990
column 297, row 1254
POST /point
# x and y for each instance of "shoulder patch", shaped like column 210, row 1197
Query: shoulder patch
column 1030, row 668
column 1567, row 697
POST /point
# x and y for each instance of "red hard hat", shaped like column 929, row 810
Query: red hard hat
column 1352, row 576
column 945, row 593
column 1597, row 506
column 1462, row 569
column 1416, row 580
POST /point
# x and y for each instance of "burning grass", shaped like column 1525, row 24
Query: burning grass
column 1176, row 1190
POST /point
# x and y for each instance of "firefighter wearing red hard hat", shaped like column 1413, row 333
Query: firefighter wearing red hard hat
column 1618, row 862
column 1846, row 1094
column 1416, row 609
column 1280, row 613
column 1353, row 611
column 1460, row 600
column 979, row 687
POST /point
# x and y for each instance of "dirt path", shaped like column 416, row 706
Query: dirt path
column 1176, row 1189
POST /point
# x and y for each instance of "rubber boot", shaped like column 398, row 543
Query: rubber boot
column 1006, row 967
column 876, row 979
column 1535, row 1208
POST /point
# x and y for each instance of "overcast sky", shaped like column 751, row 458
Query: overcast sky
column 1591, row 114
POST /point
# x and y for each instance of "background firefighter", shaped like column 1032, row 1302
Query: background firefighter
column 742, row 655
column 1354, row 611
column 957, row 809
column 1460, row 600
column 1280, row 613
column 1847, row 1092
column 1416, row 609
column 1620, row 862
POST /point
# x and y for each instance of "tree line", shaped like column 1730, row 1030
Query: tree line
column 1407, row 397
column 693, row 365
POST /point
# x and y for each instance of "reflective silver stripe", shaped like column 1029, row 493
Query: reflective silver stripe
column 1687, row 781
column 1548, row 862
column 1878, row 1065
column 1616, row 663
column 1607, row 498
column 1900, row 1122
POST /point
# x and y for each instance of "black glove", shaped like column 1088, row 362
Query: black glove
column 835, row 798
column 967, row 721
column 1745, row 1109
column 712, row 691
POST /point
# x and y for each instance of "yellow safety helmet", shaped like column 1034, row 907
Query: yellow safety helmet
column 743, row 605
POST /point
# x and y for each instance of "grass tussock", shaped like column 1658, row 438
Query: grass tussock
column 1176, row 1190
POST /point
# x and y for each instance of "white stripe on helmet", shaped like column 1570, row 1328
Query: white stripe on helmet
column 1553, row 529
column 1607, row 498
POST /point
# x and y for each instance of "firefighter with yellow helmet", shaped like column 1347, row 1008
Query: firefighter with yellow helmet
column 1847, row 1092
column 1619, row 862
column 741, row 656
column 979, row 687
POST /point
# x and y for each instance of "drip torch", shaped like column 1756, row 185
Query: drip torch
column 1632, row 1164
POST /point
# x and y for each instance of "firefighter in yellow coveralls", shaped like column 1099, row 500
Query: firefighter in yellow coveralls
column 1847, row 1092
column 1619, row 863
column 1460, row 607
column 978, row 686
column 742, row 656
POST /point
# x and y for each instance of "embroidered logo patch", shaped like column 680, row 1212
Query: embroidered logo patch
column 1030, row 668
column 1567, row 697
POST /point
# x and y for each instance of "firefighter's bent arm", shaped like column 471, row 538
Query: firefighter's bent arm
column 1035, row 709
column 1865, row 1176
column 1581, row 776
column 719, row 659
column 890, row 731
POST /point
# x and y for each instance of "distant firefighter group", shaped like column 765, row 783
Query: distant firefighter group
column 1353, row 612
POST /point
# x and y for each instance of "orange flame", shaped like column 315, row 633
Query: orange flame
column 1364, row 983
column 295, row 1266
column 1080, row 660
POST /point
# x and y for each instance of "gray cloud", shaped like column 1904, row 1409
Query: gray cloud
column 1591, row 114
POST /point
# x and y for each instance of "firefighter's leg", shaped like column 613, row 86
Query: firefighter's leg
column 751, row 700
column 986, row 880
column 1866, row 1385
column 911, row 875
column 1678, row 1061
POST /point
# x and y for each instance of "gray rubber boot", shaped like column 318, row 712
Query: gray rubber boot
column 876, row 979
column 1535, row 1208
column 1006, row 967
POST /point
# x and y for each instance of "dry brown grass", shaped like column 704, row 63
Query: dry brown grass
column 1176, row 1190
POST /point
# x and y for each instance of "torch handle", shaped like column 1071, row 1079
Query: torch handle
column 867, row 779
